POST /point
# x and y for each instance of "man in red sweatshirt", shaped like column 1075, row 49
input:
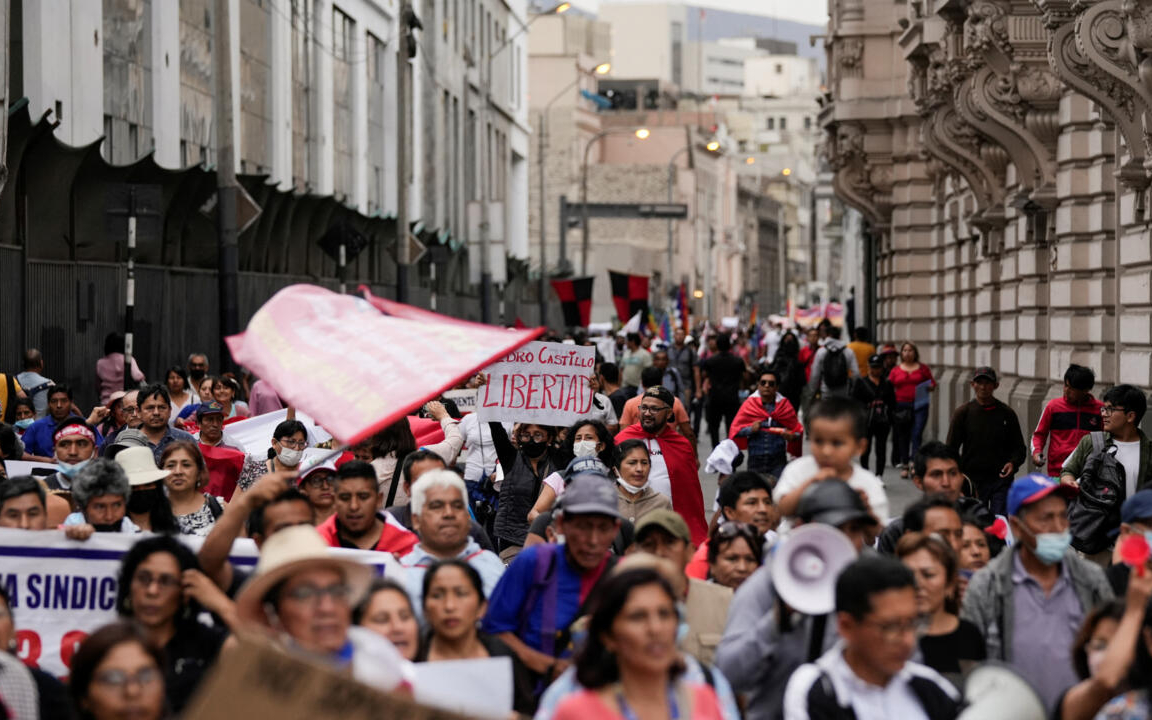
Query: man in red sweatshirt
column 1067, row 419
column 674, row 467
column 358, row 522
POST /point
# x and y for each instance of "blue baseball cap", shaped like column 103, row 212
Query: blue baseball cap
column 1137, row 507
column 1034, row 488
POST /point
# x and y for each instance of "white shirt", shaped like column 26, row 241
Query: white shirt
column 894, row 701
column 605, row 413
column 478, row 443
column 658, row 478
column 801, row 469
column 1128, row 455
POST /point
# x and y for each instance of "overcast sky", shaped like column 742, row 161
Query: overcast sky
column 808, row 11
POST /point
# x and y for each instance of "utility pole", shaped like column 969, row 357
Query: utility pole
column 485, row 196
column 226, row 187
column 130, row 305
column 403, row 159
column 543, row 234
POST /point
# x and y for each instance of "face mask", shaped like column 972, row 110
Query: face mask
column 1095, row 657
column 107, row 527
column 631, row 488
column 70, row 470
column 142, row 501
column 584, row 448
column 1050, row 547
column 25, row 423
column 290, row 457
column 196, row 376
column 534, row 449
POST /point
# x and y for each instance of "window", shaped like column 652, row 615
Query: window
column 771, row 123
column 342, row 29
column 779, row 68
column 783, row 123
column 807, row 122
column 677, row 30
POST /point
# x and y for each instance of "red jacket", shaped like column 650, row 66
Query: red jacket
column 1063, row 425
column 687, row 497
column 752, row 411
column 394, row 538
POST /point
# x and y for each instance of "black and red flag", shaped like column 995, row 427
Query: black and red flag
column 630, row 294
column 575, row 300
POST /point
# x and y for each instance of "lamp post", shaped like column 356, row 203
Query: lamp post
column 486, row 158
column 581, row 73
column 641, row 133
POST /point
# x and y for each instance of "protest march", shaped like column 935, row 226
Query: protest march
column 379, row 511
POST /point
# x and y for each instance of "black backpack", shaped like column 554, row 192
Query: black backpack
column 1096, row 510
column 835, row 371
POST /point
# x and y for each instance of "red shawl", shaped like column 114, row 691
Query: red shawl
column 224, row 466
column 687, row 497
column 752, row 411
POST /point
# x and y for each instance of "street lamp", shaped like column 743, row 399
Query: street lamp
column 642, row 133
column 786, row 172
column 712, row 146
column 485, row 157
column 601, row 69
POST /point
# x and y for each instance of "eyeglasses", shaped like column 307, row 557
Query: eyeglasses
column 730, row 529
column 1109, row 409
column 316, row 481
column 144, row 579
column 652, row 409
column 294, row 444
column 895, row 629
column 312, row 594
column 767, row 383
column 120, row 680
column 534, row 437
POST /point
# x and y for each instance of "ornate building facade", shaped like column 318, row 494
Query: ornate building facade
column 1001, row 153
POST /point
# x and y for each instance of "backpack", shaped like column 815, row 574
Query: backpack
column 835, row 370
column 1096, row 510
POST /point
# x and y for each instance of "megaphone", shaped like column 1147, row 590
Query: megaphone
column 993, row 691
column 805, row 565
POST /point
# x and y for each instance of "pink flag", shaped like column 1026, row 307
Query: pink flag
column 355, row 369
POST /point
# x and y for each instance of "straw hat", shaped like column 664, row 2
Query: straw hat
column 139, row 464
column 287, row 552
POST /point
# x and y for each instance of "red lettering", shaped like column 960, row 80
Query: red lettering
column 68, row 645
column 546, row 391
column 528, row 398
column 573, row 393
column 515, row 391
column 487, row 387
column 586, row 395
column 28, row 648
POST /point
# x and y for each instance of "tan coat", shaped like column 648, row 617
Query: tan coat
column 634, row 507
column 707, row 610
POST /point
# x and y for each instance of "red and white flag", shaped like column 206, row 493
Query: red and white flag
column 356, row 365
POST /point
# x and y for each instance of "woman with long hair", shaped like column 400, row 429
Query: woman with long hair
column 526, row 462
column 179, row 391
column 226, row 391
column 387, row 611
column 454, row 604
column 912, row 404
column 635, row 497
column 629, row 664
column 950, row 645
column 196, row 511
column 117, row 672
column 587, row 438
column 162, row 589
column 396, row 442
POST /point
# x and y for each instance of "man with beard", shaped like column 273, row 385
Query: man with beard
column 673, row 459
column 101, row 491
column 359, row 523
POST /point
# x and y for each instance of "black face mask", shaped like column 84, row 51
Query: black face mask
column 534, row 449
column 107, row 527
column 196, row 376
column 142, row 501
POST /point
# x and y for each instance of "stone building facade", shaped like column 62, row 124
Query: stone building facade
column 1001, row 154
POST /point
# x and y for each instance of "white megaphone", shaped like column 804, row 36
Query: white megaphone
column 993, row 691
column 805, row 565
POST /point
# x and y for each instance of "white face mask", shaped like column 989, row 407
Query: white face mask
column 630, row 488
column 290, row 457
column 584, row 448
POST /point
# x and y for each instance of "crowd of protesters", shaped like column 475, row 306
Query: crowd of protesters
column 588, row 555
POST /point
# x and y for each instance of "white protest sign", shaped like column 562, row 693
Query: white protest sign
column 254, row 435
column 481, row 688
column 61, row 590
column 545, row 383
column 24, row 467
column 465, row 399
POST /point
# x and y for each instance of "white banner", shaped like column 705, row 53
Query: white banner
column 254, row 435
column 465, row 399
column 61, row 590
column 545, row 383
